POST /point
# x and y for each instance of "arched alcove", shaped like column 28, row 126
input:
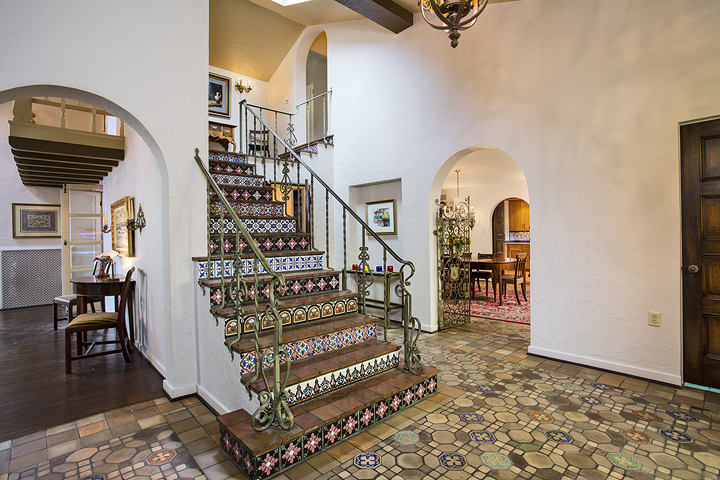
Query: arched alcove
column 315, row 84
column 143, row 175
column 489, row 176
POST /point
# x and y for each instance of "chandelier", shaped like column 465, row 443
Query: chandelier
column 452, row 16
column 459, row 209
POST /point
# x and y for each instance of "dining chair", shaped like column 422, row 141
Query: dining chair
column 259, row 140
column 98, row 321
column 518, row 278
column 476, row 275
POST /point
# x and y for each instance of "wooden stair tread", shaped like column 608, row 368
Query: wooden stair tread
column 301, row 331
column 216, row 282
column 321, row 411
column 290, row 302
column 311, row 367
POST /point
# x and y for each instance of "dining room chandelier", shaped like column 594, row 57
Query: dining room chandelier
column 452, row 16
column 459, row 208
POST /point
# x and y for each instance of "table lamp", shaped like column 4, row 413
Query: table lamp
column 103, row 261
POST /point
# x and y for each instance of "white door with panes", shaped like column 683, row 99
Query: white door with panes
column 82, row 237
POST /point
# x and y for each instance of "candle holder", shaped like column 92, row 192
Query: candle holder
column 138, row 223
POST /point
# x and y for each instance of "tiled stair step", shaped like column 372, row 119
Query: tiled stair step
column 254, row 225
column 296, row 283
column 322, row 423
column 231, row 168
column 222, row 155
column 327, row 372
column 233, row 194
column 280, row 262
column 252, row 209
column 227, row 180
column 267, row 242
column 314, row 339
column 293, row 311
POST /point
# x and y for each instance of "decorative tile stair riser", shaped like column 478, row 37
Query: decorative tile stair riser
column 314, row 346
column 266, row 243
column 254, row 225
column 316, row 284
column 252, row 209
column 279, row 264
column 234, row 181
column 230, row 168
column 221, row 156
column 238, row 194
column 240, row 443
column 293, row 316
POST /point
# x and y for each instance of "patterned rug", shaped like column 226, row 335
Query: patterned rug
column 510, row 311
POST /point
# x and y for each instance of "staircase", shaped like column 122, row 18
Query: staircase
column 341, row 378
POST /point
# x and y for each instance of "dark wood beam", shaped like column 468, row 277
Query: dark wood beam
column 29, row 162
column 57, row 178
column 64, row 158
column 385, row 13
column 46, row 146
column 51, row 171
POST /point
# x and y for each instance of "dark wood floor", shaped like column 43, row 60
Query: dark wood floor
column 35, row 393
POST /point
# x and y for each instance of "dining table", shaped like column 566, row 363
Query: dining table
column 497, row 265
column 98, row 286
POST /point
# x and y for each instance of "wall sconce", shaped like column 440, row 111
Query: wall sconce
column 105, row 228
column 138, row 223
column 242, row 88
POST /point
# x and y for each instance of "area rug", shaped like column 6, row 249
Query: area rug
column 509, row 311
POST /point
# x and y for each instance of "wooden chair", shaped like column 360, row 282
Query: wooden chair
column 477, row 275
column 517, row 279
column 70, row 301
column 98, row 321
column 259, row 141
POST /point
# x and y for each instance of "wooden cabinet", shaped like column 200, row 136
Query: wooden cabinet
column 513, row 249
column 519, row 216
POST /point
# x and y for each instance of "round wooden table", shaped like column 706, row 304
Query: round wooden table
column 92, row 286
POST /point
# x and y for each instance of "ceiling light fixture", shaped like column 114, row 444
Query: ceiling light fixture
column 454, row 15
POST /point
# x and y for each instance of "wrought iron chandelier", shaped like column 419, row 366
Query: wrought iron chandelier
column 453, row 15
column 459, row 208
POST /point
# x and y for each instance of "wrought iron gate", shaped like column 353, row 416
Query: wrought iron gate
column 453, row 243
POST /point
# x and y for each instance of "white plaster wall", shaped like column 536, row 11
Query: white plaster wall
column 586, row 97
column 152, row 73
column 13, row 191
column 257, row 96
column 138, row 176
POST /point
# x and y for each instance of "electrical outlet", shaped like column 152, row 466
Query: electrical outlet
column 654, row 319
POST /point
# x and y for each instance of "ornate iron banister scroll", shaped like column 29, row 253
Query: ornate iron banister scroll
column 290, row 159
column 273, row 402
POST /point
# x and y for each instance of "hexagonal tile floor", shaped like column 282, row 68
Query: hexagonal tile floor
column 498, row 413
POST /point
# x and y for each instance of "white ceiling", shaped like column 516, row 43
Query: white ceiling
column 251, row 37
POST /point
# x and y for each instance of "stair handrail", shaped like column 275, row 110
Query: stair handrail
column 290, row 137
column 411, row 325
column 273, row 402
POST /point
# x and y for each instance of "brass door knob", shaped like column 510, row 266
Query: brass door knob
column 693, row 269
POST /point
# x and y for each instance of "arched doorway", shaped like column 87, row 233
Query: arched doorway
column 492, row 179
column 316, row 83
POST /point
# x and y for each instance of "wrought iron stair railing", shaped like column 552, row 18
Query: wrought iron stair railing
column 273, row 402
column 293, row 168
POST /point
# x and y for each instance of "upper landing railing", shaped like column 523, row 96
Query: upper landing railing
column 68, row 115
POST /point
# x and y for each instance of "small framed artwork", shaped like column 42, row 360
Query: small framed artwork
column 35, row 220
column 381, row 217
column 122, row 238
column 219, row 95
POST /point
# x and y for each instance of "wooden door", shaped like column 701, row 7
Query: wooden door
column 498, row 226
column 700, row 178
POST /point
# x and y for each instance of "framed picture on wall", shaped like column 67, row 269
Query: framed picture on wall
column 122, row 238
column 381, row 216
column 219, row 95
column 35, row 220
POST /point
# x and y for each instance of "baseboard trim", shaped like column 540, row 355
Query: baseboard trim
column 213, row 402
column 177, row 392
column 662, row 377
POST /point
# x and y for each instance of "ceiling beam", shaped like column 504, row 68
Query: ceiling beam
column 64, row 158
column 385, row 13
column 57, row 178
column 74, row 149
column 40, row 164
column 52, row 171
